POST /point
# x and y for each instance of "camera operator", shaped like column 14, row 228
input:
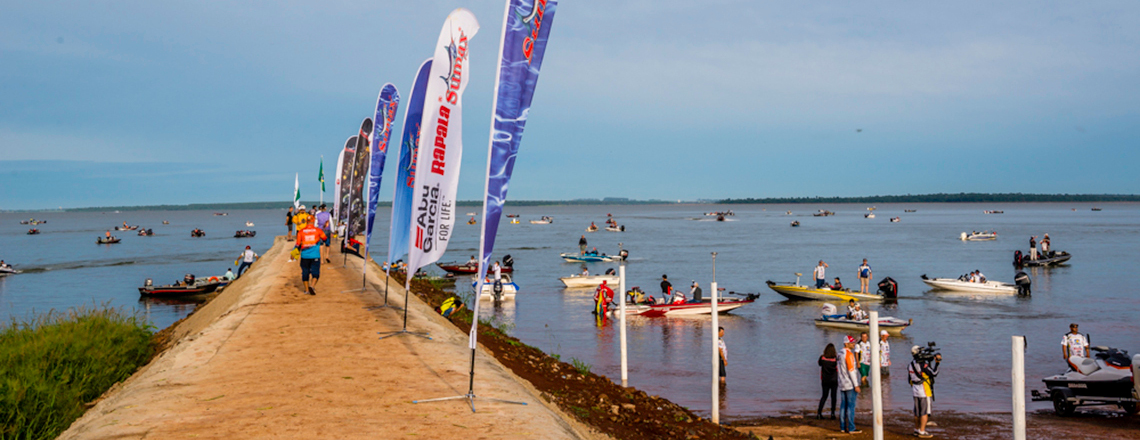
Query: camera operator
column 921, row 373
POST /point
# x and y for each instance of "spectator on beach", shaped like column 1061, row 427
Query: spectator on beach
column 884, row 354
column 848, row 386
column 723, row 353
column 308, row 242
column 863, row 349
column 324, row 222
column 829, row 380
column 864, row 276
column 289, row 223
column 248, row 256
column 820, row 275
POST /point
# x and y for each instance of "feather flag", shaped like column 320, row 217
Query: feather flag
column 297, row 190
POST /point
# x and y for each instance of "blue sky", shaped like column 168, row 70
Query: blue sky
column 111, row 103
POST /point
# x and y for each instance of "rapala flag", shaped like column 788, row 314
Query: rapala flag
column 344, row 179
column 526, row 26
column 360, row 163
column 406, row 169
column 437, row 162
column 386, row 104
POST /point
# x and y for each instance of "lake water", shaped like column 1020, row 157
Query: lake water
column 772, row 344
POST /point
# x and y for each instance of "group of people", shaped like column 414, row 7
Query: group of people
column 847, row 370
column 863, row 273
column 1033, row 246
column 314, row 232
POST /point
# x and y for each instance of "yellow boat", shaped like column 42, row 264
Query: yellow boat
column 798, row 292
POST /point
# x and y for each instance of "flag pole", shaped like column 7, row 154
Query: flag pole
column 322, row 179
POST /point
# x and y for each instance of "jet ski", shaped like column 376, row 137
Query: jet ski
column 8, row 270
column 1106, row 378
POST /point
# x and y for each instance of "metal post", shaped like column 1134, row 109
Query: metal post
column 715, row 349
column 621, row 313
column 876, row 379
column 1019, row 387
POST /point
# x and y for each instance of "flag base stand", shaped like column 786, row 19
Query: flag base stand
column 403, row 331
column 385, row 305
column 470, row 397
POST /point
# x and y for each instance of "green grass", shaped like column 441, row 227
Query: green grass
column 582, row 367
column 52, row 365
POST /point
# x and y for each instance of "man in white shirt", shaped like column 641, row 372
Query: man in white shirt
column 863, row 349
column 820, row 275
column 1074, row 344
column 884, row 354
column 864, row 276
column 248, row 256
column 498, row 270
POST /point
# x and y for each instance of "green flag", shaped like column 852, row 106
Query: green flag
column 296, row 190
column 321, row 174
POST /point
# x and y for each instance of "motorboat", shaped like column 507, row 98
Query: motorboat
column 869, row 215
column 593, row 257
column 961, row 284
column 166, row 222
column 126, row 228
column 720, row 218
column 197, row 233
column 830, row 319
column 720, row 213
column 691, row 308
column 146, row 232
column 588, row 281
column 1109, row 377
column 1096, row 209
column 469, row 268
column 1044, row 259
column 615, row 228
column 471, row 221
column 189, row 286
column 993, row 212
column 33, row 231
column 8, row 270
column 592, row 228
column 910, row 210
column 514, row 221
column 249, row 224
column 823, row 213
column 245, row 234
column 106, row 240
column 221, row 214
column 798, row 292
column 789, row 213
column 975, row 236
column 512, row 215
column 895, row 219
column 505, row 289
column 545, row 220
column 471, row 214
column 796, row 224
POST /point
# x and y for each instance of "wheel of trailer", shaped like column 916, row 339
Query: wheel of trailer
column 1130, row 407
column 1061, row 405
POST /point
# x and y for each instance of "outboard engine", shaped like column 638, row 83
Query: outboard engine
column 189, row 279
column 508, row 261
column 1136, row 376
column 889, row 288
column 1017, row 257
column 828, row 309
column 1023, row 283
column 610, row 271
column 624, row 254
column 497, row 288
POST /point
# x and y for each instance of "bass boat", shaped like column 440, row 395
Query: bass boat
column 468, row 269
column 961, row 285
column 798, row 292
column 616, row 228
column 106, row 240
column 545, row 220
column 588, row 281
column 590, row 257
column 686, row 308
column 245, row 234
column 1043, row 260
column 126, row 228
column 978, row 236
column 828, row 318
column 8, row 270
column 195, row 287
column 504, row 289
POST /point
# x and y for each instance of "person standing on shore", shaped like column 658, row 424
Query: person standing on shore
column 829, row 380
column 821, row 275
column 723, row 353
column 864, row 277
column 848, row 386
column 309, row 240
column 863, row 349
column 289, row 223
column 324, row 222
column 884, row 354
column 582, row 245
column 248, row 256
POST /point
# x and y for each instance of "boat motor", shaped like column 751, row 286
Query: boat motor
column 1017, row 257
column 497, row 288
column 508, row 261
column 889, row 288
column 624, row 254
column 1023, row 283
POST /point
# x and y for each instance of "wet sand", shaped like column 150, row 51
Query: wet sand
column 264, row 360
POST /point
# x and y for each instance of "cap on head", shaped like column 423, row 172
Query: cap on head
column 915, row 349
column 247, row 247
column 664, row 276
column 848, row 339
column 883, row 333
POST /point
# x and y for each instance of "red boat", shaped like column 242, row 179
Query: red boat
column 687, row 308
column 466, row 269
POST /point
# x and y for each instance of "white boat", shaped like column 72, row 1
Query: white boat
column 507, row 294
column 471, row 214
column 869, row 215
column 959, row 285
column 589, row 281
column 895, row 219
column 978, row 236
column 543, row 221
column 8, row 270
column 249, row 224
column 616, row 228
column 829, row 318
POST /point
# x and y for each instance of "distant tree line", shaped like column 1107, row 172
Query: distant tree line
column 946, row 198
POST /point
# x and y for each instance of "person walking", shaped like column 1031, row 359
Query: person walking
column 309, row 239
column 921, row 375
column 248, row 256
column 829, row 380
column 864, row 277
column 324, row 222
column 821, row 275
column 723, row 353
column 848, row 386
column 582, row 245
column 884, row 354
column 289, row 223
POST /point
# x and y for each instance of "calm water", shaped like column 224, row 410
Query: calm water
column 773, row 344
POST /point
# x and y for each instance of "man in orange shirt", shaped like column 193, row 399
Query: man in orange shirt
column 309, row 240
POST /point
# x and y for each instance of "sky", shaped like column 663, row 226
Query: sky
column 141, row 102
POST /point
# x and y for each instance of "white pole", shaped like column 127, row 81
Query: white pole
column 715, row 358
column 621, row 312
column 1019, row 387
column 876, row 380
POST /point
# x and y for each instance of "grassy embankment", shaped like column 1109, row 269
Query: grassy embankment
column 52, row 366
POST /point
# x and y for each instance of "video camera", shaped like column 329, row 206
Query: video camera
column 927, row 353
